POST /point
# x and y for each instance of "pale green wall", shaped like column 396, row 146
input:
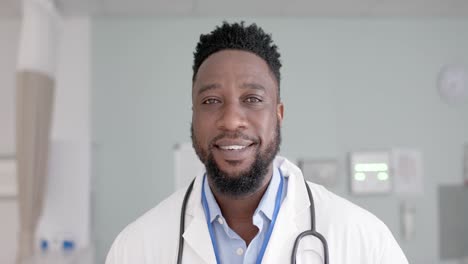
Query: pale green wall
column 348, row 84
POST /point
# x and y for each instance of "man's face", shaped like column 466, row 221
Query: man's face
column 236, row 120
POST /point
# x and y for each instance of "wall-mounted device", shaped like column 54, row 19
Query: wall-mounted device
column 453, row 219
column 407, row 171
column 453, row 83
column 320, row 171
column 370, row 172
column 407, row 214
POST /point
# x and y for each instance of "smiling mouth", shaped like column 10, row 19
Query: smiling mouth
column 232, row 147
column 233, row 153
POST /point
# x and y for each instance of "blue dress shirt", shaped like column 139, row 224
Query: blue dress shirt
column 232, row 248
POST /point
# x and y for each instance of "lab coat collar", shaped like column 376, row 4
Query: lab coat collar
column 196, row 233
column 296, row 200
column 294, row 210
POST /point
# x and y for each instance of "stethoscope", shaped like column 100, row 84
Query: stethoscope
column 311, row 232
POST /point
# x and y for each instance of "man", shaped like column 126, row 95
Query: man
column 250, row 205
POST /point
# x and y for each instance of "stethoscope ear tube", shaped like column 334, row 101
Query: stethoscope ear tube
column 182, row 222
column 311, row 232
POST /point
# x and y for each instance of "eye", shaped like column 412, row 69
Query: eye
column 211, row 101
column 253, row 100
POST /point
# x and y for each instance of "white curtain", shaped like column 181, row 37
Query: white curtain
column 34, row 102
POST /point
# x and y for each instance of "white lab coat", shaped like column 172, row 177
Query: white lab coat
column 354, row 235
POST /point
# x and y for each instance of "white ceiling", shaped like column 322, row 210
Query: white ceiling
column 321, row 8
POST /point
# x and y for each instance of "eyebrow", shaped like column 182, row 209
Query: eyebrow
column 255, row 86
column 208, row 87
column 213, row 86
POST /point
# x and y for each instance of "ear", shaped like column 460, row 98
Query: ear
column 280, row 112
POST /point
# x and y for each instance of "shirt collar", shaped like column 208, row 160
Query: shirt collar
column 266, row 205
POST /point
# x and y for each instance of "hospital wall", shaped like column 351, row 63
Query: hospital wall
column 347, row 84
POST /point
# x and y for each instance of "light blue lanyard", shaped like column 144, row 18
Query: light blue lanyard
column 279, row 195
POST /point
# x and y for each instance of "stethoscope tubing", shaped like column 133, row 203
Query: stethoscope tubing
column 182, row 222
column 311, row 232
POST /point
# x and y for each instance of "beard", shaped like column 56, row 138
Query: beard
column 245, row 182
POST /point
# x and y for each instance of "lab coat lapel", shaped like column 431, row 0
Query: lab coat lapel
column 196, row 234
column 290, row 221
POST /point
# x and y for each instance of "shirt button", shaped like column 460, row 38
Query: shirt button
column 240, row 251
column 220, row 221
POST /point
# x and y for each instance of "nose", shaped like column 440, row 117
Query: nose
column 232, row 117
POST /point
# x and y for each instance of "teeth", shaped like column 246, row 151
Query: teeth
column 233, row 147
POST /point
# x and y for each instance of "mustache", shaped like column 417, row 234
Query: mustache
column 233, row 135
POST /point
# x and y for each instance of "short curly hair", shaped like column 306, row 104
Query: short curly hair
column 237, row 36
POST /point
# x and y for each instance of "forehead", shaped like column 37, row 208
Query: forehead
column 234, row 65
